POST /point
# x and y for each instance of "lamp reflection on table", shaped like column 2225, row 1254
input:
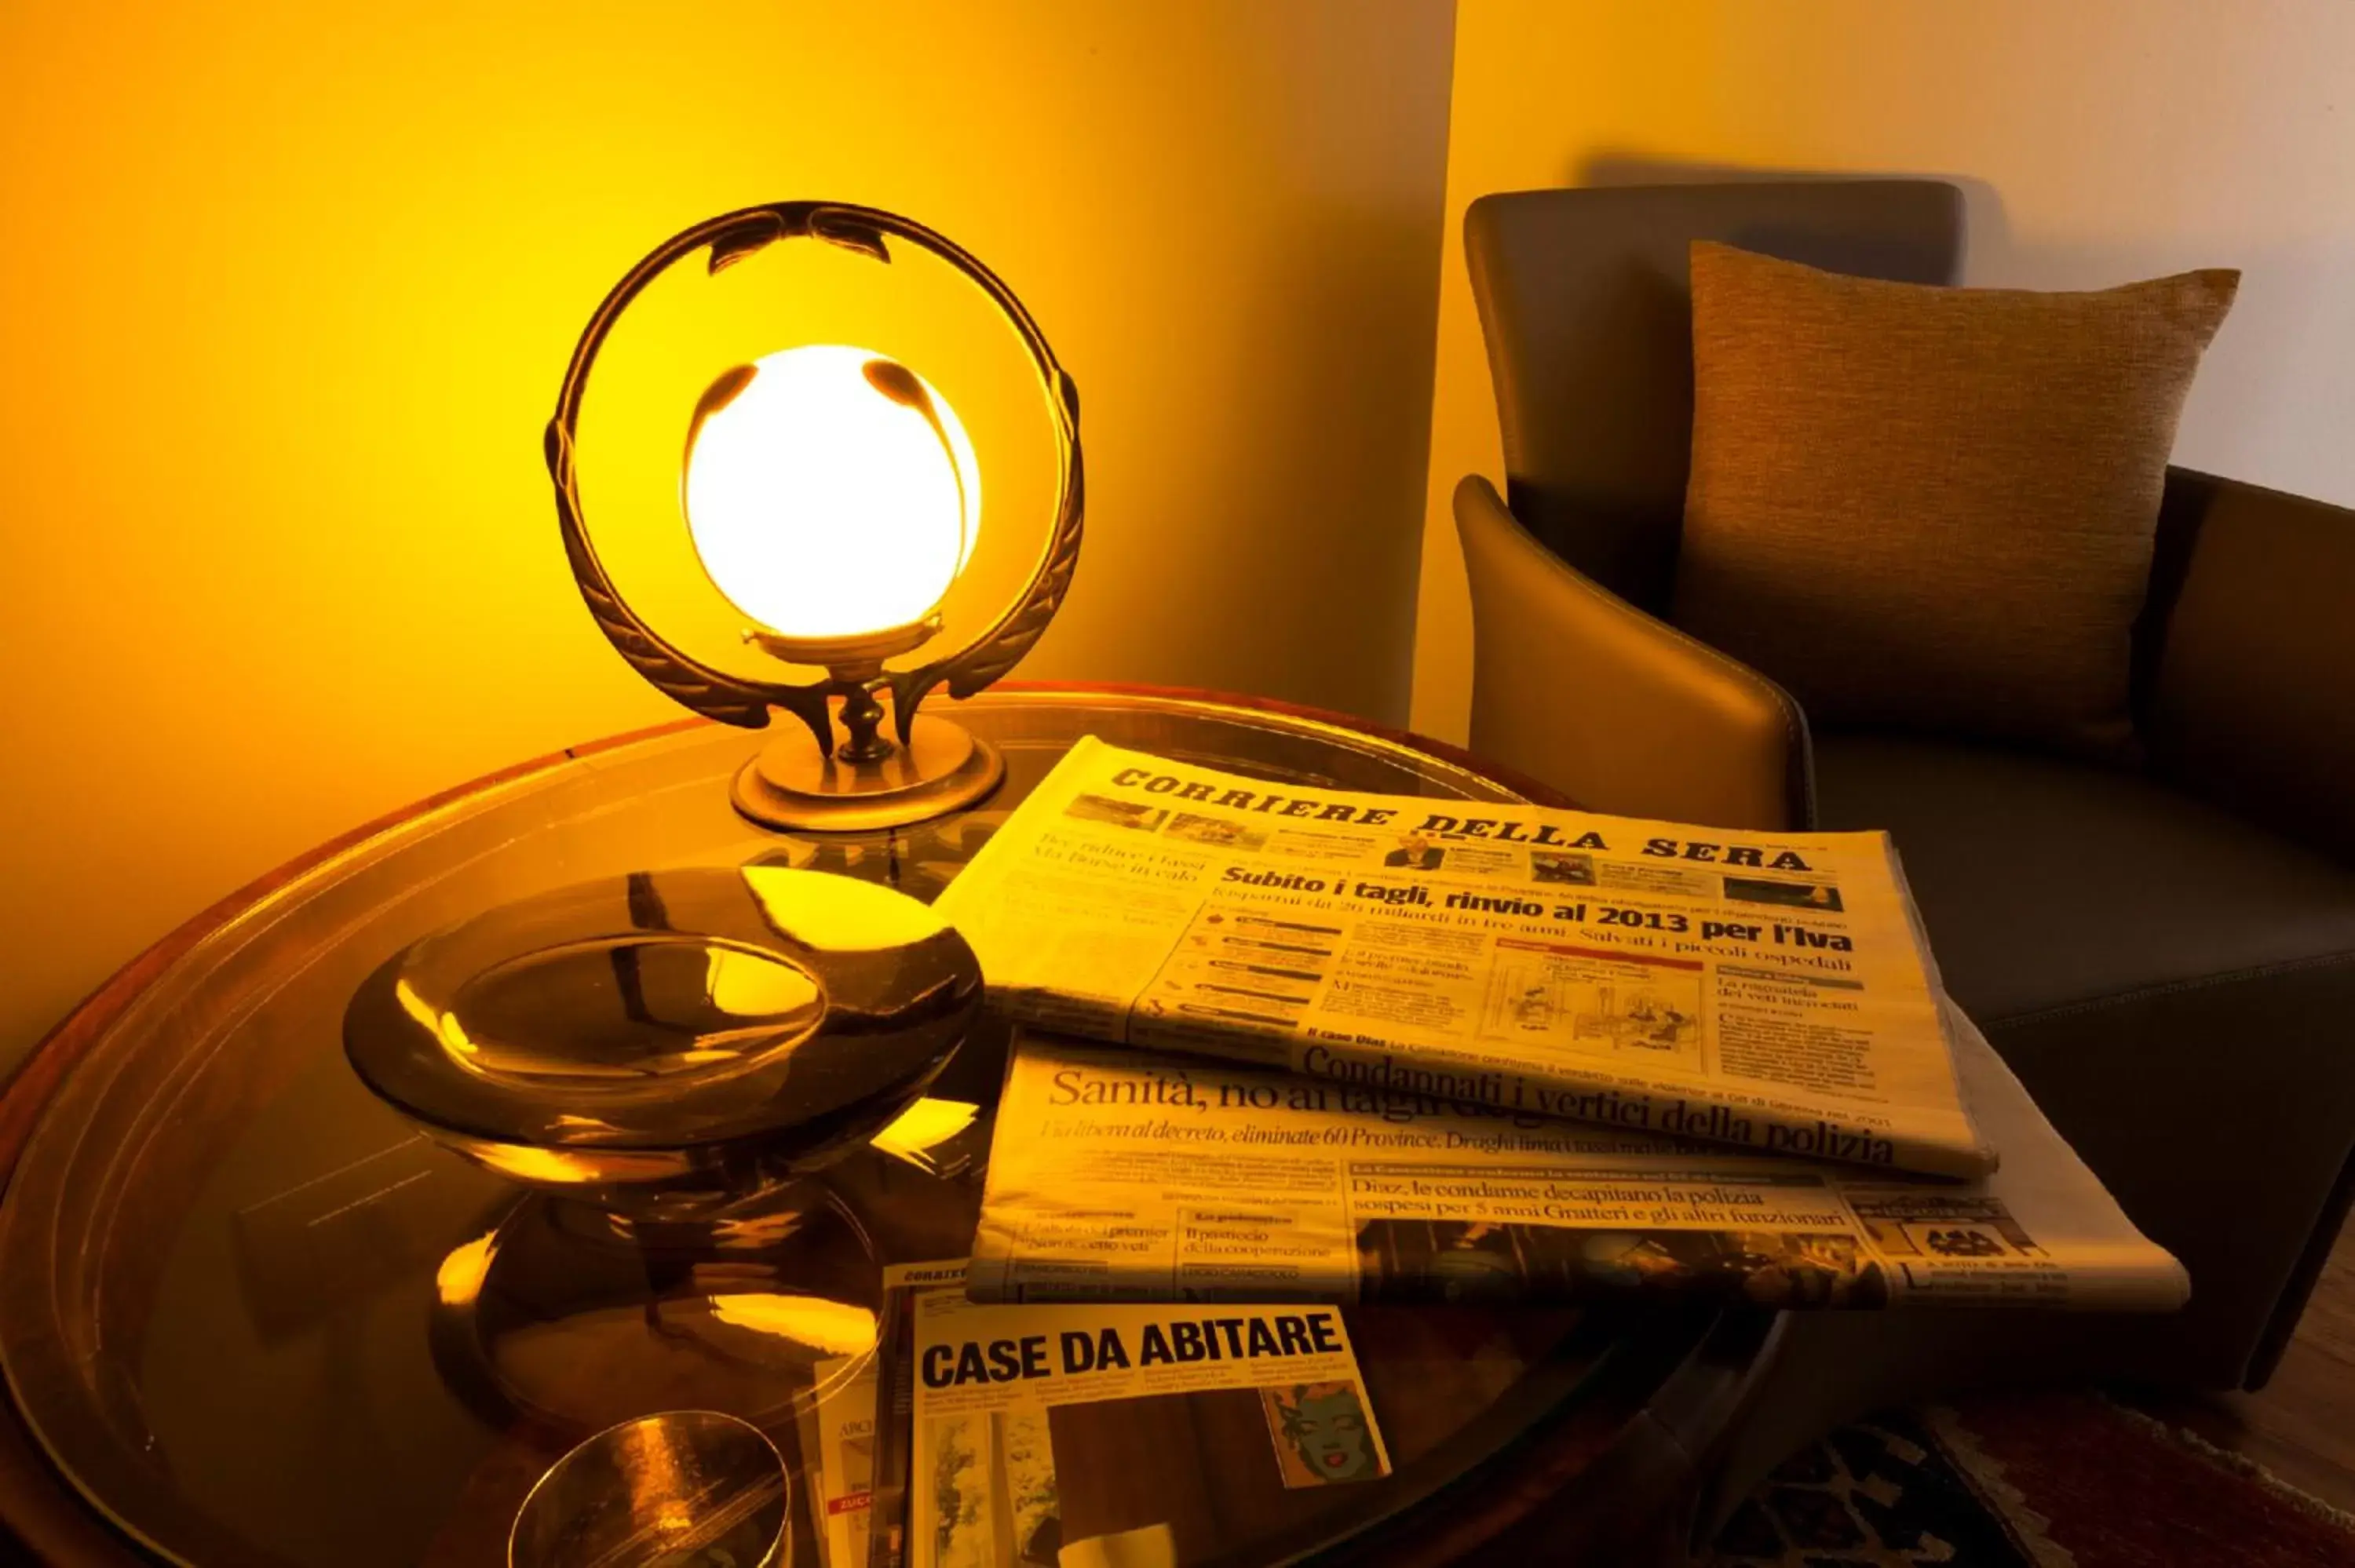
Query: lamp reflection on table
column 673, row 1065
column 755, row 1323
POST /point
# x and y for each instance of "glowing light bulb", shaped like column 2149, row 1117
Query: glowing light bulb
column 830, row 491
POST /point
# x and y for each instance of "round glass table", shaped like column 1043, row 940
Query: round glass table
column 226, row 1270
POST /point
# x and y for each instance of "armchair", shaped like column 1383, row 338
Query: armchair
column 2164, row 954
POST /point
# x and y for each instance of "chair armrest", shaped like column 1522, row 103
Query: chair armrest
column 1623, row 713
column 2253, row 698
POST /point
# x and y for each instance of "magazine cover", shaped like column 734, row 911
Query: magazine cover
column 895, row 1401
column 1022, row 1416
column 838, row 1457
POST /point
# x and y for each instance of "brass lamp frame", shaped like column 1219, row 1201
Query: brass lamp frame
column 869, row 779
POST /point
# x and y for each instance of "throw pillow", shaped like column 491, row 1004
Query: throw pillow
column 1933, row 507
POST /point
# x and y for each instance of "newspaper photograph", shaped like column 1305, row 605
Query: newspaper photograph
column 1769, row 991
column 1008, row 1398
column 1121, row 1174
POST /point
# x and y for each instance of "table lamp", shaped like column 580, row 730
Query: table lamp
column 833, row 497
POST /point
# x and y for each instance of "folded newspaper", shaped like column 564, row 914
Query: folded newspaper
column 1117, row 1173
column 1766, row 989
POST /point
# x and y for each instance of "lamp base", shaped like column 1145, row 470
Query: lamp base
column 944, row 767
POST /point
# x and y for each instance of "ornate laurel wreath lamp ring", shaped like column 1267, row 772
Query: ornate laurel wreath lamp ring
column 852, row 421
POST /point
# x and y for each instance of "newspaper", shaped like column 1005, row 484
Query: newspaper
column 996, row 1460
column 1123, row 1174
column 1772, row 990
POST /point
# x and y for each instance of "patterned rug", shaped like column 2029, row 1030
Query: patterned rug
column 2063, row 1480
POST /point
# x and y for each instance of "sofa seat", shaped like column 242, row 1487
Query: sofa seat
column 2049, row 883
column 2175, row 986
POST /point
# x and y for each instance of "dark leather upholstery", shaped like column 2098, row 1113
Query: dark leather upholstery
column 2050, row 885
column 2165, row 956
column 2173, row 984
column 1670, row 727
column 2253, row 699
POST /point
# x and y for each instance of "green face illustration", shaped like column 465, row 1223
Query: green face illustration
column 1328, row 1430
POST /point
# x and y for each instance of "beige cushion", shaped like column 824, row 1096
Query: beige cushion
column 1933, row 507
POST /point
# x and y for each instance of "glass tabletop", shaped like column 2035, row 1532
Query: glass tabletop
column 226, row 1267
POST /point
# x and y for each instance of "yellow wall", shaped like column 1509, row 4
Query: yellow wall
column 285, row 289
column 2096, row 141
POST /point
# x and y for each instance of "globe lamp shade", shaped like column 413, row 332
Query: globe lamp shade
column 833, row 498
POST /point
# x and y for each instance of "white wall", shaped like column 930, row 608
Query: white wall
column 2098, row 141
